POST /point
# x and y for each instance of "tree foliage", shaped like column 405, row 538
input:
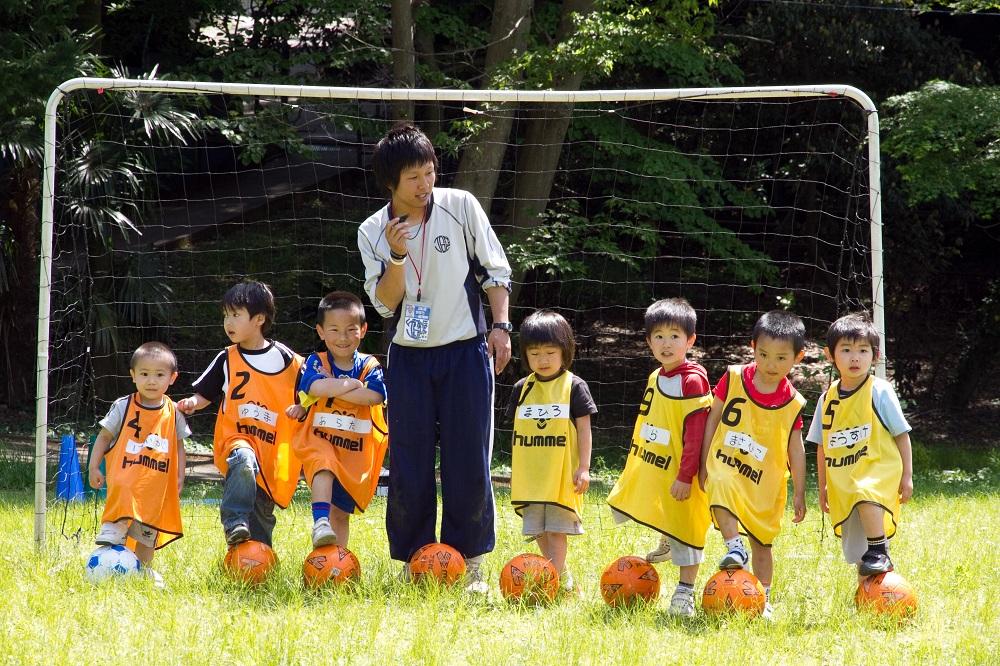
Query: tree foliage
column 946, row 142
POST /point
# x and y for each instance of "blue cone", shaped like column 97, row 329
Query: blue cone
column 69, row 481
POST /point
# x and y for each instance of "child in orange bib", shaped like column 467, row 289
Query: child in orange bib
column 343, row 441
column 253, row 380
column 142, row 441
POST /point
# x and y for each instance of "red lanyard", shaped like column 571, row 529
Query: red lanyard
column 419, row 270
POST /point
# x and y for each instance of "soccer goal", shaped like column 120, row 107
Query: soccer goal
column 158, row 195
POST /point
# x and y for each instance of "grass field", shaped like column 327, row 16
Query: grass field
column 948, row 549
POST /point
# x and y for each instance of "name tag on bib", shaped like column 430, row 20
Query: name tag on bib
column 258, row 413
column 651, row 433
column 341, row 422
column 849, row 436
column 416, row 321
column 552, row 411
column 746, row 444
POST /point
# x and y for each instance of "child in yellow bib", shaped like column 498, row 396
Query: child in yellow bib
column 253, row 381
column 863, row 452
column 343, row 441
column 658, row 486
column 752, row 440
column 142, row 440
column 550, row 454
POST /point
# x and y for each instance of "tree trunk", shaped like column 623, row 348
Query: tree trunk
column 19, row 305
column 404, row 74
column 431, row 116
column 479, row 168
column 538, row 156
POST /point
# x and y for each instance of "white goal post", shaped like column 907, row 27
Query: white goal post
column 383, row 95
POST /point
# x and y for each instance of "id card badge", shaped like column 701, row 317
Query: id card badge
column 416, row 321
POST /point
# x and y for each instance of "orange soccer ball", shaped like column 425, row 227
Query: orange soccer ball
column 886, row 593
column 250, row 561
column 329, row 564
column 437, row 561
column 629, row 579
column 733, row 590
column 529, row 577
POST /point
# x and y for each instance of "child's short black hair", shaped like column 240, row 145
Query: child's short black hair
column 154, row 351
column 340, row 300
column 405, row 146
column 545, row 327
column 781, row 325
column 255, row 297
column 853, row 327
column 671, row 311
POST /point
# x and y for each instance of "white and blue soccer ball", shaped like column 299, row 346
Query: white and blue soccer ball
column 111, row 561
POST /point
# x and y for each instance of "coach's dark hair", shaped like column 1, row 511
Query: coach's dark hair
column 671, row 311
column 853, row 327
column 781, row 325
column 340, row 300
column 256, row 297
column 405, row 146
column 154, row 351
column 545, row 327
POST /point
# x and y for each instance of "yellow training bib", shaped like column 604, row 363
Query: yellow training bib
column 643, row 490
column 748, row 460
column 544, row 450
column 862, row 460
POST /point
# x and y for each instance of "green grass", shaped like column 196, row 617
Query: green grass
column 947, row 549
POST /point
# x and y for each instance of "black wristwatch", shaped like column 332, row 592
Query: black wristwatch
column 503, row 326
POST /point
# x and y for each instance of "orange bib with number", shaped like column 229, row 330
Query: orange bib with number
column 346, row 439
column 142, row 470
column 253, row 414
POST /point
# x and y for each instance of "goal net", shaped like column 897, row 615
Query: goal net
column 161, row 195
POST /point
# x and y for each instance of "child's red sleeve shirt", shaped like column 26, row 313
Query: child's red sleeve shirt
column 693, row 382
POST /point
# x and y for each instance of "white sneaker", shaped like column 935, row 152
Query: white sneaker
column 768, row 612
column 154, row 576
column 736, row 558
column 661, row 553
column 682, row 603
column 474, row 581
column 323, row 534
column 566, row 582
column 405, row 575
column 112, row 534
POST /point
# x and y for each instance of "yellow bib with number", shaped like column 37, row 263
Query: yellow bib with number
column 861, row 457
column 544, row 450
column 643, row 490
column 748, row 460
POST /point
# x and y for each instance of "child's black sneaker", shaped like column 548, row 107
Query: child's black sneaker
column 874, row 562
column 237, row 534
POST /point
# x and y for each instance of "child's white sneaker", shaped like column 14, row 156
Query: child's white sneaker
column 682, row 603
column 736, row 558
column 768, row 612
column 323, row 534
column 661, row 553
column 475, row 583
column 155, row 576
column 405, row 575
column 112, row 534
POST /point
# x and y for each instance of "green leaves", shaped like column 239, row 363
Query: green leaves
column 946, row 140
